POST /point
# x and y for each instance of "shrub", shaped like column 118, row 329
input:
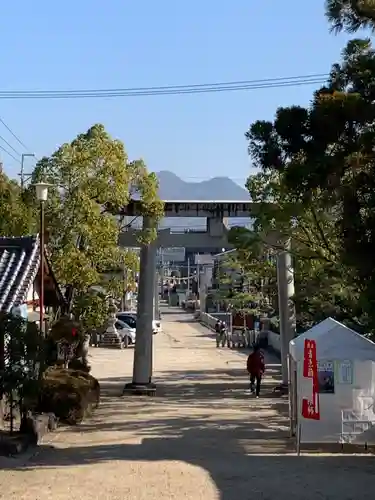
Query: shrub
column 22, row 353
column 66, row 329
column 70, row 394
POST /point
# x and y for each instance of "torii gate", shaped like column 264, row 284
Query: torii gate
column 215, row 212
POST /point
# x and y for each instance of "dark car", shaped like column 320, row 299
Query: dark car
column 128, row 318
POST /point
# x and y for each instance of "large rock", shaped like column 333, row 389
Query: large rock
column 70, row 394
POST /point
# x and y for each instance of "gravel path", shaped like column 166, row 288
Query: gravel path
column 201, row 437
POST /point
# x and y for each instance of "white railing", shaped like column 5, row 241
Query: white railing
column 210, row 320
column 274, row 341
column 353, row 424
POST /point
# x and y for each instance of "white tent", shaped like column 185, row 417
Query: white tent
column 346, row 374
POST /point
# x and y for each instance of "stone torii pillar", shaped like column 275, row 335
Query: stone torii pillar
column 142, row 366
column 287, row 313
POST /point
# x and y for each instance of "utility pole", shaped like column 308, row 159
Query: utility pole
column 198, row 281
column 22, row 173
column 156, row 295
column 188, row 273
column 161, row 272
column 125, row 285
column 287, row 314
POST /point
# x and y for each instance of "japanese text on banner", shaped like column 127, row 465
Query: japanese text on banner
column 310, row 407
column 310, row 365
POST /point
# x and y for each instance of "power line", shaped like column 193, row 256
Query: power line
column 14, row 135
column 268, row 83
column 194, row 85
column 10, row 154
column 11, row 147
column 125, row 93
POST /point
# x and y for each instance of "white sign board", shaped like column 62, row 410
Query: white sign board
column 204, row 259
column 345, row 372
column 176, row 254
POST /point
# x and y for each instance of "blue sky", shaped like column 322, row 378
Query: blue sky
column 118, row 43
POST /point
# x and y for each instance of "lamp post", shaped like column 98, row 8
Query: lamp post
column 41, row 189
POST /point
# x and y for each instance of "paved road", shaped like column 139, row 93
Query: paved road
column 201, row 437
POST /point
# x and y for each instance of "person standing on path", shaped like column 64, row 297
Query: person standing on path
column 255, row 368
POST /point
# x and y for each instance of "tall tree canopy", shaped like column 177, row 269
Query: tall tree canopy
column 316, row 183
column 351, row 15
column 87, row 176
column 91, row 179
column 17, row 210
column 236, row 273
column 324, row 157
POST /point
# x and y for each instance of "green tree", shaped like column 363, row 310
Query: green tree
column 22, row 355
column 91, row 181
column 316, row 165
column 282, row 212
column 243, row 284
column 17, row 210
column 350, row 15
column 257, row 260
column 117, row 281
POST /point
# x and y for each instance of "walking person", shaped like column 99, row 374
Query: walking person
column 255, row 368
column 220, row 329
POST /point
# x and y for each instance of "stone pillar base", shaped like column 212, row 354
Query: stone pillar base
column 135, row 389
column 111, row 339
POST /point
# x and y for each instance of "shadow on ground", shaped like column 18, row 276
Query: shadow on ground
column 251, row 458
column 172, row 311
column 184, row 320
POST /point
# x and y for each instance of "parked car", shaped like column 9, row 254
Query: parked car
column 130, row 317
column 126, row 332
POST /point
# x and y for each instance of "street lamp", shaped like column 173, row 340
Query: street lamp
column 41, row 189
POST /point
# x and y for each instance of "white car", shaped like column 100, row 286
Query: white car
column 126, row 332
column 130, row 317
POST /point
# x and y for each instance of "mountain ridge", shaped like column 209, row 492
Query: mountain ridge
column 172, row 187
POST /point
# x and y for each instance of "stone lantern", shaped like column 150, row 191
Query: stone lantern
column 111, row 337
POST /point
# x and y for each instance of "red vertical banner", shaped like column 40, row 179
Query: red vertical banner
column 310, row 407
column 310, row 365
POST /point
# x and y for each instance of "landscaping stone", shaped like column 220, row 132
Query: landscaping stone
column 69, row 394
column 35, row 426
column 11, row 445
column 32, row 430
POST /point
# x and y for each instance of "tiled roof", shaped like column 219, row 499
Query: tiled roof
column 19, row 265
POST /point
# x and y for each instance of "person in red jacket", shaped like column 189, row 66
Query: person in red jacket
column 255, row 368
